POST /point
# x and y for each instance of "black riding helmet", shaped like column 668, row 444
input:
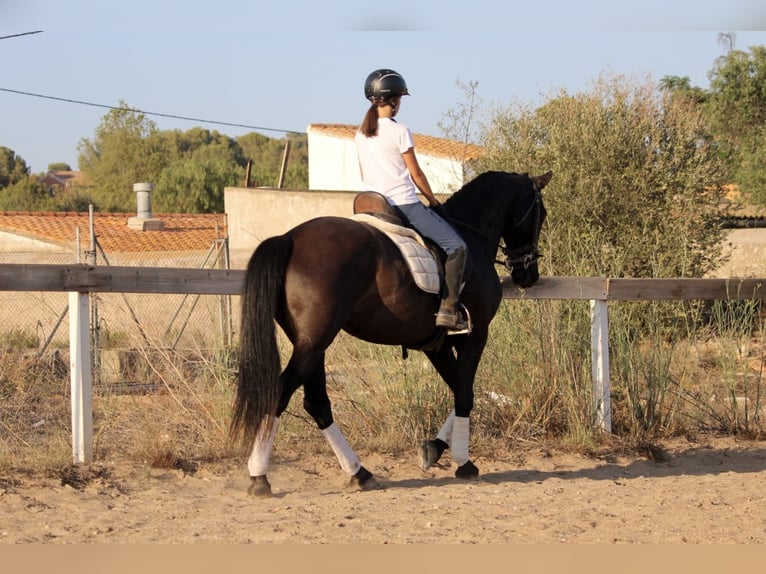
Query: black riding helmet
column 384, row 84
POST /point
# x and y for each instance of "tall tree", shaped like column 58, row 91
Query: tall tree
column 266, row 156
column 13, row 168
column 127, row 149
column 736, row 109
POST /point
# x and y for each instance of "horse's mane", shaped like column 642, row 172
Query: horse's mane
column 470, row 201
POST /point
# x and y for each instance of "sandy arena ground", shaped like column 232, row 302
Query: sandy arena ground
column 710, row 492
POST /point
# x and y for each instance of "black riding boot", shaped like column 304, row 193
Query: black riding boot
column 448, row 315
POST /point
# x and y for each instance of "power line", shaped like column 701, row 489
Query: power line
column 22, row 34
column 176, row 117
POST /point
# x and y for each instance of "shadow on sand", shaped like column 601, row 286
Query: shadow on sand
column 697, row 461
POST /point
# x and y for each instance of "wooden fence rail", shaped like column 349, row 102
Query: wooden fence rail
column 81, row 280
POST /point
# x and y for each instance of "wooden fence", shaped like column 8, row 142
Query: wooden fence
column 81, row 280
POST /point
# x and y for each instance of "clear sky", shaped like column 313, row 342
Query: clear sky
column 283, row 65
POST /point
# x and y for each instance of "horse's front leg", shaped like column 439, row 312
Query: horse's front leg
column 460, row 438
column 454, row 434
column 458, row 372
column 431, row 450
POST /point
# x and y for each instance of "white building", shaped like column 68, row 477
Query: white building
column 333, row 163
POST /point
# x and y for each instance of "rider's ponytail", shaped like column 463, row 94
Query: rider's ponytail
column 369, row 125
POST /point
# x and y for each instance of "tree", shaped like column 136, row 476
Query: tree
column 205, row 163
column 59, row 166
column 189, row 169
column 636, row 184
column 681, row 87
column 195, row 185
column 201, row 143
column 459, row 124
column 736, row 110
column 266, row 155
column 30, row 195
column 26, row 195
column 127, row 149
column 13, row 168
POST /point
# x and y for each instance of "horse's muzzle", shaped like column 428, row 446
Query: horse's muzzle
column 525, row 276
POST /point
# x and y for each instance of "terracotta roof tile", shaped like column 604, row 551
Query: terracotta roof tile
column 424, row 144
column 182, row 232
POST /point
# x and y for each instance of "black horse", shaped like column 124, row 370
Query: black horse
column 333, row 273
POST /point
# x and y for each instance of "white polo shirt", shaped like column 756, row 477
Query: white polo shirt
column 383, row 168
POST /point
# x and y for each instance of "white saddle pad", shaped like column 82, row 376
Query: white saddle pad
column 419, row 259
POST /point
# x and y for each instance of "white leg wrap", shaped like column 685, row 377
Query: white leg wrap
column 460, row 434
column 258, row 463
column 347, row 458
column 445, row 433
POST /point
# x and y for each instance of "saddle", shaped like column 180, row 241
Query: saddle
column 424, row 258
column 376, row 204
column 424, row 261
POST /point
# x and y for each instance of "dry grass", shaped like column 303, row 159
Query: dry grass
column 533, row 388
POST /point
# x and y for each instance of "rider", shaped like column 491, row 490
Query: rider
column 388, row 166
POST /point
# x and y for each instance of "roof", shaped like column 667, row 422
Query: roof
column 182, row 232
column 430, row 145
column 64, row 178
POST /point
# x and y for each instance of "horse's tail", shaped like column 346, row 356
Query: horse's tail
column 258, row 390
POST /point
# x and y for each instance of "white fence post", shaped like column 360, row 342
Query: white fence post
column 599, row 338
column 80, row 378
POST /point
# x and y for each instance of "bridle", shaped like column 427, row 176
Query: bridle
column 525, row 255
column 515, row 257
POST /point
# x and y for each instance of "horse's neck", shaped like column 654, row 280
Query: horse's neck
column 486, row 230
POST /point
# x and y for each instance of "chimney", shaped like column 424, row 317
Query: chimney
column 144, row 220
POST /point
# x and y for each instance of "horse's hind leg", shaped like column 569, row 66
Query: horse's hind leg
column 298, row 370
column 258, row 463
column 317, row 404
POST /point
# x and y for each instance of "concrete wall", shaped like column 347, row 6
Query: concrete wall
column 746, row 249
column 15, row 242
column 253, row 214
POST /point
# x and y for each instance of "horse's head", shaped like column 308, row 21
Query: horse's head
column 522, row 231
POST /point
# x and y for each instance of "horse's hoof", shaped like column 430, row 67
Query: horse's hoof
column 430, row 452
column 259, row 487
column 468, row 471
column 363, row 480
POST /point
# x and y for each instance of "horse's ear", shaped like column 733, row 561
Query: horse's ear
column 543, row 180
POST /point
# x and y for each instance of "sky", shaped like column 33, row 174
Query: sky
column 238, row 66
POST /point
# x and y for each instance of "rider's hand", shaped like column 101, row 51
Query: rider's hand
column 439, row 209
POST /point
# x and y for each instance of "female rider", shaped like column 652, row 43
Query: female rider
column 388, row 166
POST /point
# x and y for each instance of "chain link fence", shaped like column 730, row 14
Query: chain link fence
column 128, row 330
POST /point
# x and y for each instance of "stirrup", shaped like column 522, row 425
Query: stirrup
column 463, row 324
